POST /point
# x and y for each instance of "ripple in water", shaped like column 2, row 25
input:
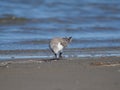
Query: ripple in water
column 30, row 24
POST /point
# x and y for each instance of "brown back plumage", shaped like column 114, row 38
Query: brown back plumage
column 64, row 41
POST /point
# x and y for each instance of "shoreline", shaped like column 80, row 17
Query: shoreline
column 68, row 53
column 98, row 60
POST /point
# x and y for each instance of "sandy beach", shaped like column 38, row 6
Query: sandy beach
column 100, row 73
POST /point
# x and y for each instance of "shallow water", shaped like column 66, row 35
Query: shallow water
column 30, row 24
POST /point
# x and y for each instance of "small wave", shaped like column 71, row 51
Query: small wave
column 12, row 19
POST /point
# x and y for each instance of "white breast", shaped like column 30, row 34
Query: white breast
column 60, row 47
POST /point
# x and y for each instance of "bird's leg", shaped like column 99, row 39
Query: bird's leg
column 56, row 58
column 60, row 55
column 55, row 55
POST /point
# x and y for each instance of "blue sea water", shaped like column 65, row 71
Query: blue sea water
column 30, row 24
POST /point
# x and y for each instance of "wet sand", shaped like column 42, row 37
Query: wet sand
column 101, row 73
column 68, row 52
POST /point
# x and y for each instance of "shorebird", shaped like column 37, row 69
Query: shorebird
column 58, row 44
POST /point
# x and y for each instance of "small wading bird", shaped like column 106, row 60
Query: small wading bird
column 58, row 44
